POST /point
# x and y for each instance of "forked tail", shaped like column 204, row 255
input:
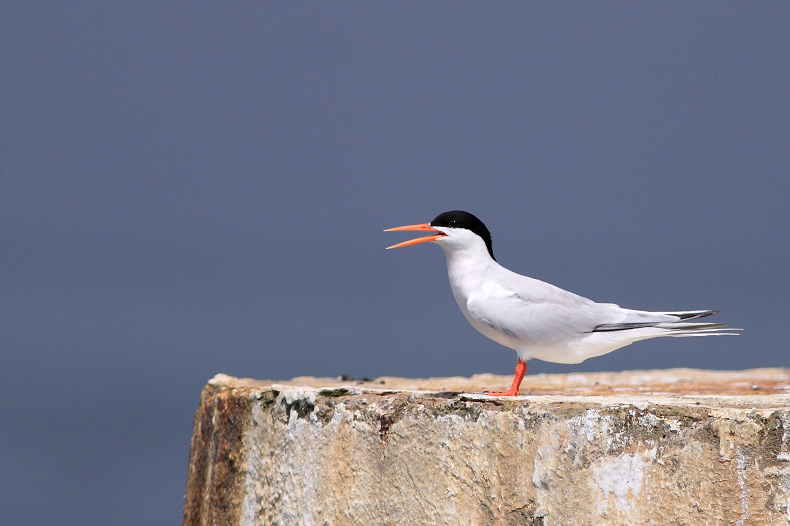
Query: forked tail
column 681, row 327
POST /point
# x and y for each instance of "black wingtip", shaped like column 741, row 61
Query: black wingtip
column 694, row 314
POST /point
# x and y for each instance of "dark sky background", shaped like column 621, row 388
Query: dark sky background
column 192, row 189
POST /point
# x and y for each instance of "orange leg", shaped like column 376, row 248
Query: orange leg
column 521, row 370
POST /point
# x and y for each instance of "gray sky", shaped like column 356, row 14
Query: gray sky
column 191, row 190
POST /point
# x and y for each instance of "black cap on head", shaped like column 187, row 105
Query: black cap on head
column 461, row 219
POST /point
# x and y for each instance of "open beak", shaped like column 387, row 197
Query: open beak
column 424, row 227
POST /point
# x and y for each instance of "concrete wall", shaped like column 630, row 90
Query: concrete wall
column 323, row 451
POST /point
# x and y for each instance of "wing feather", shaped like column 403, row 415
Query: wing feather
column 538, row 313
column 535, row 312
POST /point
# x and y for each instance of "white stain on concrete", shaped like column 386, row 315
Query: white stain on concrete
column 623, row 476
column 741, row 463
column 591, row 418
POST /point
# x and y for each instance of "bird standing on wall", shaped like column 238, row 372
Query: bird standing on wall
column 535, row 318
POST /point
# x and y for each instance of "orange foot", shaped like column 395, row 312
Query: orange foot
column 521, row 370
column 509, row 392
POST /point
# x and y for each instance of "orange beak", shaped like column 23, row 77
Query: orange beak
column 424, row 227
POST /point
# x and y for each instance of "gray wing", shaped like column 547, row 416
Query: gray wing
column 538, row 313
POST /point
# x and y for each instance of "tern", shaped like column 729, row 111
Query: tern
column 536, row 319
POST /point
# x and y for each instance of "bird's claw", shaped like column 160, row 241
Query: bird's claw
column 511, row 392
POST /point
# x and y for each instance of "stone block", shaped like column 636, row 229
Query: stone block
column 632, row 448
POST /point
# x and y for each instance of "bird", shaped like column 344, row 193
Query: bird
column 536, row 319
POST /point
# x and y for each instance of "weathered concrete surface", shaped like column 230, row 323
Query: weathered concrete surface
column 646, row 447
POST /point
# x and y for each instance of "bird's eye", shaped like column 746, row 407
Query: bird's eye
column 453, row 222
